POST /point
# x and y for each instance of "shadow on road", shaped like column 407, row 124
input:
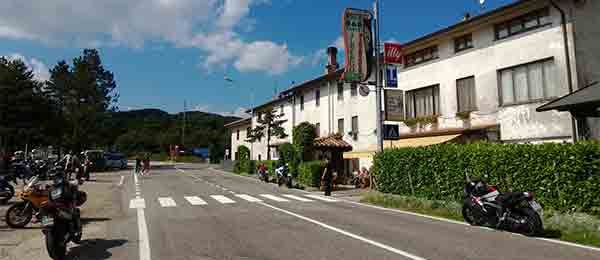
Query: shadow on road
column 551, row 233
column 96, row 249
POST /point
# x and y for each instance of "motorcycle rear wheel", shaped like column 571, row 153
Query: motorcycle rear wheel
column 534, row 225
column 23, row 212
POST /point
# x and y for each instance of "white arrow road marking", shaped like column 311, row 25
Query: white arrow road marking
column 194, row 200
column 319, row 197
column 248, row 198
column 137, row 203
column 222, row 199
column 346, row 233
column 275, row 198
column 166, row 202
column 297, row 198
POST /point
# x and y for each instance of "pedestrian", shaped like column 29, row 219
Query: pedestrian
column 146, row 170
column 138, row 163
column 327, row 177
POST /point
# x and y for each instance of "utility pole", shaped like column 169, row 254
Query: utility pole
column 183, row 126
column 377, row 78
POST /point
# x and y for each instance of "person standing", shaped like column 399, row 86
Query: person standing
column 138, row 164
column 327, row 177
column 146, row 170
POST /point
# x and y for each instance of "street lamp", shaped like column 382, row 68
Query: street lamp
column 230, row 80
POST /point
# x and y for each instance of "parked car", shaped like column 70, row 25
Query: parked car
column 115, row 160
column 97, row 159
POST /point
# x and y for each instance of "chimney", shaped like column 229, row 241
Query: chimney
column 332, row 64
column 467, row 16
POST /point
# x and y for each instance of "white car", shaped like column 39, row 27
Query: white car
column 115, row 160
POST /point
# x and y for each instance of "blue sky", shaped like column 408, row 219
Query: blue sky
column 166, row 51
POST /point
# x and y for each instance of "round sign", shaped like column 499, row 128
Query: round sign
column 363, row 90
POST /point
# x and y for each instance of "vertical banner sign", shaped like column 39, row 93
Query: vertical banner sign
column 358, row 44
column 394, row 105
column 392, row 53
column 391, row 76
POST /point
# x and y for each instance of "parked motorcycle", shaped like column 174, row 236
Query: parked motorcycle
column 263, row 175
column 61, row 217
column 32, row 197
column 512, row 211
column 284, row 176
column 7, row 191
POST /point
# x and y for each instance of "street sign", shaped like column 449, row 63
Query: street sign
column 391, row 76
column 394, row 104
column 358, row 45
column 391, row 132
column 363, row 90
column 392, row 53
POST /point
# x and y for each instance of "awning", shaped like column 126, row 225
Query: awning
column 584, row 98
column 332, row 142
column 408, row 142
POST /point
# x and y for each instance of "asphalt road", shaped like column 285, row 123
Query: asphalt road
column 193, row 212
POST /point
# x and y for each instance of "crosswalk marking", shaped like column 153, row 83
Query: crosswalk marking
column 319, row 197
column 222, row 199
column 272, row 197
column 195, row 200
column 166, row 202
column 248, row 198
column 296, row 197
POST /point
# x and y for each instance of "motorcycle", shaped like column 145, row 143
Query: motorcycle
column 516, row 212
column 32, row 197
column 61, row 217
column 263, row 175
column 284, row 176
column 7, row 191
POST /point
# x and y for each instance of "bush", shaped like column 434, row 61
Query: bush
column 243, row 163
column 565, row 177
column 303, row 136
column 288, row 153
column 309, row 173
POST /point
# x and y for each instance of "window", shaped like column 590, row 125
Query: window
column 259, row 157
column 463, row 43
column 341, row 126
column 423, row 102
column 318, row 97
column 355, row 128
column 318, row 129
column 529, row 83
column 524, row 23
column 237, row 135
column 301, row 102
column 353, row 89
column 465, row 94
column 421, row 56
column 340, row 91
column 248, row 130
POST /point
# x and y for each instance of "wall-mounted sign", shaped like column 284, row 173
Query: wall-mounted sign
column 363, row 90
column 358, row 44
column 392, row 52
column 391, row 132
column 394, row 105
column 391, row 76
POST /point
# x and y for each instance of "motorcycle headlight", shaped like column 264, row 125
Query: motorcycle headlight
column 56, row 193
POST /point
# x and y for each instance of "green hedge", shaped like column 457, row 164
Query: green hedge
column 309, row 173
column 565, row 177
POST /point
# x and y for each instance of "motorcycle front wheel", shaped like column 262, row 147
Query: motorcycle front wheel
column 19, row 215
column 11, row 192
column 533, row 223
column 469, row 217
column 55, row 244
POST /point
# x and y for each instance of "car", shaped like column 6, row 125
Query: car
column 115, row 160
column 97, row 159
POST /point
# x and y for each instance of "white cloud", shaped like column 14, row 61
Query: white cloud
column 208, row 25
column 40, row 70
column 238, row 112
column 339, row 43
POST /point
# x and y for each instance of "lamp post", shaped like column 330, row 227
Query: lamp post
column 230, row 80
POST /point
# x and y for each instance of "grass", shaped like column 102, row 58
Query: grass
column 573, row 227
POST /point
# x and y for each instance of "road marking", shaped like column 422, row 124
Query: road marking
column 346, row 233
column 222, row 199
column 319, row 197
column 296, row 197
column 122, row 179
column 194, row 200
column 137, row 203
column 248, row 198
column 272, row 197
column 569, row 243
column 180, row 170
column 166, row 202
column 143, row 235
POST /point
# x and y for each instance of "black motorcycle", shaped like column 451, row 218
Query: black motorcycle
column 61, row 217
column 517, row 212
column 284, row 176
column 7, row 191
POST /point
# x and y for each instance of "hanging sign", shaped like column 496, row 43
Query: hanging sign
column 392, row 53
column 391, row 76
column 358, row 45
column 394, row 105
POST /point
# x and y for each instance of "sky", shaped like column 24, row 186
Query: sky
column 165, row 52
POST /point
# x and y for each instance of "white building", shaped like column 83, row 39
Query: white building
column 492, row 70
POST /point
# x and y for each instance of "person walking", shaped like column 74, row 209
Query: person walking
column 327, row 177
column 146, row 170
column 138, row 164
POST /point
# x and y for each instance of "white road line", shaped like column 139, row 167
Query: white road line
column 166, row 202
column 143, row 235
column 248, row 198
column 319, row 197
column 569, row 244
column 222, row 199
column 137, row 203
column 122, row 179
column 180, row 170
column 346, row 233
column 296, row 197
column 194, row 200
column 275, row 198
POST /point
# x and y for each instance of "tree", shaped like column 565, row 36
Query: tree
column 304, row 135
column 269, row 125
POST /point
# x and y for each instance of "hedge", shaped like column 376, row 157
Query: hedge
column 309, row 173
column 565, row 177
